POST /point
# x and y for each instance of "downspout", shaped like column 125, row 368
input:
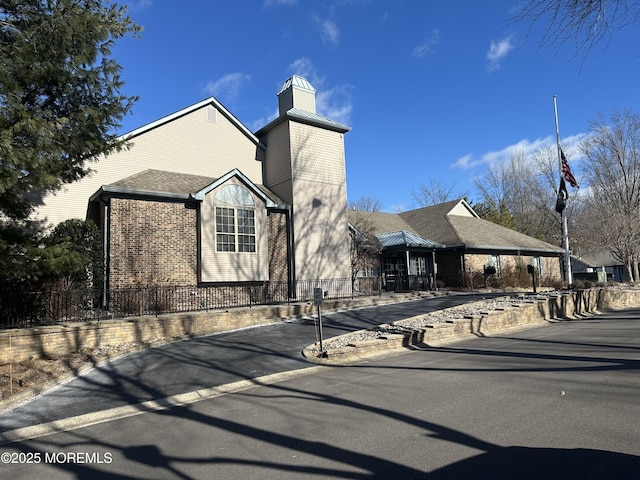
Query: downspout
column 434, row 268
column 105, row 253
column 408, row 270
column 291, row 263
column 199, row 243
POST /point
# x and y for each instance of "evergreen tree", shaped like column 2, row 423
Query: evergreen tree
column 73, row 250
column 60, row 99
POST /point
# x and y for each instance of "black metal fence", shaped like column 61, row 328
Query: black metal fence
column 29, row 309
column 409, row 283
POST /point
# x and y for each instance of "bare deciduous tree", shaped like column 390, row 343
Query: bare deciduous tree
column 518, row 193
column 583, row 23
column 433, row 193
column 366, row 204
column 365, row 246
column 612, row 167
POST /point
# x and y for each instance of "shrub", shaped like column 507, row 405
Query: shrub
column 73, row 250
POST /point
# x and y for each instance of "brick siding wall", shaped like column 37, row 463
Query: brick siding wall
column 151, row 243
column 450, row 268
column 278, row 247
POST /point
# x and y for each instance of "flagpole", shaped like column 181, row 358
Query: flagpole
column 565, row 233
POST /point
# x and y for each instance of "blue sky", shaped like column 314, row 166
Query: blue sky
column 433, row 90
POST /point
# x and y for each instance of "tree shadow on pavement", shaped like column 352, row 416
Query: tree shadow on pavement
column 522, row 463
column 167, row 459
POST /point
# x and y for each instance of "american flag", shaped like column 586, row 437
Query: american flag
column 566, row 171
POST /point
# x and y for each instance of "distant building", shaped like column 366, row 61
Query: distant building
column 598, row 267
column 449, row 242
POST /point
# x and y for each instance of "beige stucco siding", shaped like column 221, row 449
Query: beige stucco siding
column 189, row 144
column 320, row 233
column 320, row 223
column 232, row 266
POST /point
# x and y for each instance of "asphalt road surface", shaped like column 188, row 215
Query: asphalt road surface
column 204, row 362
column 555, row 402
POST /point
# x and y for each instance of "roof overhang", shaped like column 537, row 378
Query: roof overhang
column 504, row 250
column 114, row 190
column 307, row 118
column 199, row 196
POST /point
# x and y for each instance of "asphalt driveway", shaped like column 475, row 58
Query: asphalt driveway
column 557, row 402
column 205, row 362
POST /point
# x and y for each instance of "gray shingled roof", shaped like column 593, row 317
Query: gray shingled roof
column 162, row 182
column 483, row 234
column 599, row 259
column 378, row 222
column 432, row 223
column 438, row 225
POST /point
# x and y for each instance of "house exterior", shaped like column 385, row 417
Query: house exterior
column 462, row 245
column 198, row 199
column 598, row 267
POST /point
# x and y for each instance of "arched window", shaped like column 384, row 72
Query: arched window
column 235, row 220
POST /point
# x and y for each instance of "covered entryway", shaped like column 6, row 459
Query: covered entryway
column 408, row 261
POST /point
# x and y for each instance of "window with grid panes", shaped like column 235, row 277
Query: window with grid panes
column 225, row 230
column 246, row 230
column 235, row 223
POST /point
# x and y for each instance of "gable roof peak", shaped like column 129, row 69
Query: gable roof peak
column 211, row 101
column 451, row 207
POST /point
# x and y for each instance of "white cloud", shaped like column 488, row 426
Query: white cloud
column 329, row 31
column 227, row 86
column 140, row 5
column 465, row 162
column 304, row 67
column 261, row 122
column 336, row 102
column 526, row 146
column 498, row 50
column 429, row 45
column 277, row 3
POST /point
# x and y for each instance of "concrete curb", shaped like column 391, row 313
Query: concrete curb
column 179, row 400
column 529, row 314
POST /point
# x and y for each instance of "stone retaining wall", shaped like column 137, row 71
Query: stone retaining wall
column 50, row 342
column 529, row 313
column 53, row 341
